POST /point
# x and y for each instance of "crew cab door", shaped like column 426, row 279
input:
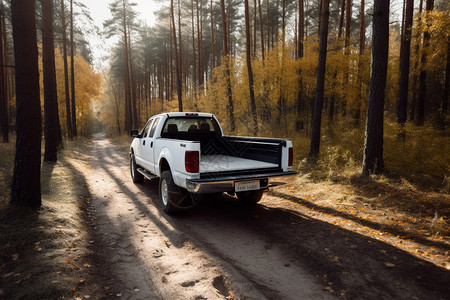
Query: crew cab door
column 138, row 149
column 148, row 149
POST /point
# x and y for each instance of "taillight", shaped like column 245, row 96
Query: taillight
column 291, row 156
column 191, row 161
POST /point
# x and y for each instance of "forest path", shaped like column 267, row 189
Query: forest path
column 212, row 252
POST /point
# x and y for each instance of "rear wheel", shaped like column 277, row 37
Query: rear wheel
column 251, row 197
column 135, row 175
column 174, row 198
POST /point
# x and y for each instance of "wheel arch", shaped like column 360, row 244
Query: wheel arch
column 163, row 165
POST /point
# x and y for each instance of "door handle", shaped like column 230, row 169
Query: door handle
column 144, row 142
column 151, row 145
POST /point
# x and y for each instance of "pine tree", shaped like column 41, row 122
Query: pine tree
column 373, row 145
column 52, row 127
column 26, row 186
column 318, row 102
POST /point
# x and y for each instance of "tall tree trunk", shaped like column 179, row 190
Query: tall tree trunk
column 416, row 66
column 255, row 26
column 199, row 46
column 194, row 62
column 300, row 54
column 362, row 45
column 249, row 69
column 133, row 86
column 4, row 120
column 301, row 28
column 180, row 46
column 52, row 127
column 318, row 102
column 404, row 63
column 332, row 102
column 319, row 25
column 72, row 73
column 444, row 103
column 213, row 40
column 348, row 22
column 423, row 71
column 341, row 19
column 373, row 145
column 66, row 73
column 268, row 24
column 26, row 186
column 283, row 23
column 128, row 109
column 261, row 30
column 177, row 60
column 227, row 67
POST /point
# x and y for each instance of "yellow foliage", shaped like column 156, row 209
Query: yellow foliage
column 87, row 86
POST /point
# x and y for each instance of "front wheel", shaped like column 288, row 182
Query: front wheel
column 251, row 197
column 174, row 198
column 135, row 175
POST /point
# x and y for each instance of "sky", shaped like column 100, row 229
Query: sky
column 99, row 10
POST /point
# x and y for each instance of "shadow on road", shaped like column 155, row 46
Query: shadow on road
column 347, row 263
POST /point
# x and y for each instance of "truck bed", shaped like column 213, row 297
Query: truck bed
column 225, row 163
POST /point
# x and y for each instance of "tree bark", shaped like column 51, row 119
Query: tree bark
column 72, row 72
column 132, row 83
column 213, row 40
column 26, row 187
column 416, row 66
column 177, row 60
column 444, row 103
column 318, row 102
column 66, row 73
column 227, row 67
column 423, row 71
column 261, row 30
column 51, row 112
column 128, row 109
column 341, row 19
column 4, row 120
column 319, row 25
column 255, row 26
column 362, row 45
column 373, row 145
column 301, row 28
column 348, row 21
column 199, row 47
column 405, row 53
column 194, row 63
column 249, row 69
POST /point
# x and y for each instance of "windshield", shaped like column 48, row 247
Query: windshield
column 190, row 125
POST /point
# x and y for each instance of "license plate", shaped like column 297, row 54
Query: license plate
column 243, row 186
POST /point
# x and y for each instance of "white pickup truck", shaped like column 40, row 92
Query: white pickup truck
column 191, row 156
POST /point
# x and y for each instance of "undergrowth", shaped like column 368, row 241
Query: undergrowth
column 6, row 171
column 419, row 157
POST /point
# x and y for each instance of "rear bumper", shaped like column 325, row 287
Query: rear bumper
column 226, row 183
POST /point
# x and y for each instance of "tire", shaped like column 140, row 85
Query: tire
column 251, row 197
column 174, row 198
column 135, row 175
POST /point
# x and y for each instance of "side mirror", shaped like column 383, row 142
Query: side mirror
column 135, row 133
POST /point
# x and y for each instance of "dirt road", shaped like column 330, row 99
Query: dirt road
column 206, row 254
column 225, row 249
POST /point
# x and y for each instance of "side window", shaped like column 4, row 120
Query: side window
column 146, row 128
column 153, row 127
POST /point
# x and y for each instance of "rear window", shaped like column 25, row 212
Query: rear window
column 190, row 125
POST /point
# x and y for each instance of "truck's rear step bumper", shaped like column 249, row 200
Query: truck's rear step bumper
column 226, row 183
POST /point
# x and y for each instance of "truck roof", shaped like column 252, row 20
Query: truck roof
column 188, row 114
